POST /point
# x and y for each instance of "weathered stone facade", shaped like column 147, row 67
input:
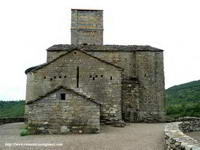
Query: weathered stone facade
column 143, row 77
column 75, row 114
column 87, row 27
column 128, row 81
column 83, row 73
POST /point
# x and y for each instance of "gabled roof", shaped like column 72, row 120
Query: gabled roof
column 45, row 64
column 104, row 48
column 67, row 89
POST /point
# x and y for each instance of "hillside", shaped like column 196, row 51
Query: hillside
column 188, row 92
column 184, row 99
column 11, row 109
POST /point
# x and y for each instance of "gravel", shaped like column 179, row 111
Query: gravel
column 135, row 136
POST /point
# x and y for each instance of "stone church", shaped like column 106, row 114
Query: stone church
column 85, row 83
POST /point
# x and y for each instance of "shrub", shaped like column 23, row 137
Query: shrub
column 24, row 132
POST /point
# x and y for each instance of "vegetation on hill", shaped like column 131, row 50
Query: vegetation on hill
column 184, row 100
column 11, row 109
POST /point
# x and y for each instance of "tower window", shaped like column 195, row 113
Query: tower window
column 60, row 76
column 77, row 77
column 110, row 77
column 51, row 79
column 102, row 76
column 45, row 77
column 54, row 77
column 63, row 96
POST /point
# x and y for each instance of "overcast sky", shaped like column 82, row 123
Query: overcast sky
column 29, row 27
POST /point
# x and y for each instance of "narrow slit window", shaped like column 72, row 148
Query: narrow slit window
column 77, row 77
column 63, row 96
column 110, row 77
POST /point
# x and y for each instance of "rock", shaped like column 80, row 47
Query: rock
column 45, row 123
column 64, row 129
column 119, row 124
column 41, row 128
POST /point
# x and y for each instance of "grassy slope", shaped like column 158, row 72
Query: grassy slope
column 11, row 109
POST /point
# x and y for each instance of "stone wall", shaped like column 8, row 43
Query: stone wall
column 97, row 79
column 175, row 139
column 126, row 60
column 150, row 74
column 87, row 27
column 190, row 124
column 130, row 103
column 142, row 84
column 52, row 115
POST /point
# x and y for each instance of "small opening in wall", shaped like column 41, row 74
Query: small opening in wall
column 110, row 77
column 54, row 77
column 65, row 76
column 93, row 78
column 51, row 79
column 96, row 76
column 85, row 43
column 90, row 76
column 45, row 77
column 74, row 52
column 63, row 96
column 102, row 76
column 60, row 76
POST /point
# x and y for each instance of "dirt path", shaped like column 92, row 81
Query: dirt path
column 139, row 136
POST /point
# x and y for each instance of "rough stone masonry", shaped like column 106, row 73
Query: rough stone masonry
column 86, row 83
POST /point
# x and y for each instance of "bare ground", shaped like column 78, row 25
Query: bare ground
column 138, row 136
column 194, row 135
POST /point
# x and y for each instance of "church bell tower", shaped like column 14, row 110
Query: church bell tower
column 86, row 27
